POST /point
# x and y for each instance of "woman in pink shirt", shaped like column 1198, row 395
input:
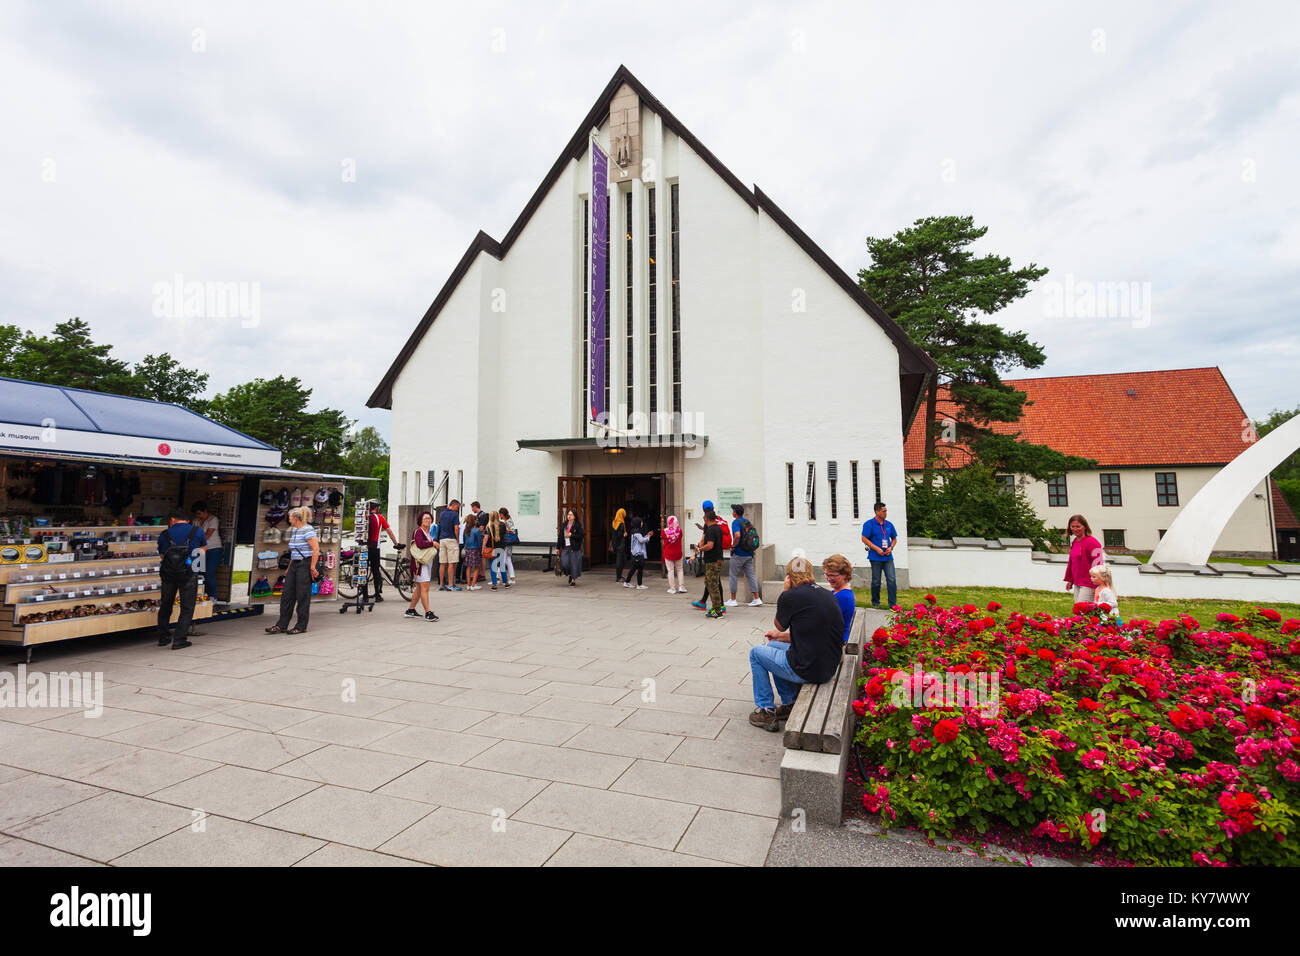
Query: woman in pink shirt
column 1085, row 553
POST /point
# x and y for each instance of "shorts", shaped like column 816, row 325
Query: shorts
column 448, row 551
column 473, row 558
column 423, row 572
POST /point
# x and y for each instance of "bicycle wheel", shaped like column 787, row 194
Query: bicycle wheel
column 346, row 589
column 401, row 578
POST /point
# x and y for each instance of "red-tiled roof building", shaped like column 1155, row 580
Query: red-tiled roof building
column 1157, row 438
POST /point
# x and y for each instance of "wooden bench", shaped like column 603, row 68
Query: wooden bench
column 819, row 738
column 537, row 547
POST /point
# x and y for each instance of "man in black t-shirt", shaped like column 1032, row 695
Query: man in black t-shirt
column 805, row 647
column 711, row 548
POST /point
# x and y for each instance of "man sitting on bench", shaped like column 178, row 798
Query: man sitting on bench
column 805, row 648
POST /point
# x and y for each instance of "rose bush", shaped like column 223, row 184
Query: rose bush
column 1162, row 742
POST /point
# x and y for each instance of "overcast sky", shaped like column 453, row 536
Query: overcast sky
column 1152, row 144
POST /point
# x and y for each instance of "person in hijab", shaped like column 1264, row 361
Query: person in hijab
column 618, row 541
column 672, row 548
column 568, row 541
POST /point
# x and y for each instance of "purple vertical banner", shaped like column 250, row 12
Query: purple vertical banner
column 599, row 265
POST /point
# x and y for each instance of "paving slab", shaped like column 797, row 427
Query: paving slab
column 741, row 792
column 104, row 827
column 223, row 842
column 258, row 751
column 465, row 788
column 354, row 817
column 348, row 767
column 626, row 817
column 15, row 852
column 335, row 854
column 235, row 792
column 33, row 795
column 552, row 763
column 449, row 837
column 584, row 850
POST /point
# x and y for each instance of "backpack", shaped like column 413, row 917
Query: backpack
column 175, row 563
column 726, row 535
column 749, row 537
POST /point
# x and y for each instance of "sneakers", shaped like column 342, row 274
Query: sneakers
column 627, row 584
column 177, row 645
column 429, row 616
column 643, row 587
column 672, row 590
column 757, row 602
column 412, row 612
column 732, row 603
column 681, row 590
column 700, row 604
column 474, row 587
column 764, row 718
column 716, row 612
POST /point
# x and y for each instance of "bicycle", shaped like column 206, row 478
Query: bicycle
column 400, row 577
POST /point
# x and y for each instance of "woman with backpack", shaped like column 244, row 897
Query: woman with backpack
column 568, row 543
column 672, row 548
column 511, row 539
column 304, row 549
column 423, row 551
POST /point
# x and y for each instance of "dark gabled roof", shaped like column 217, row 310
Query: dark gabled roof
column 914, row 363
column 77, row 409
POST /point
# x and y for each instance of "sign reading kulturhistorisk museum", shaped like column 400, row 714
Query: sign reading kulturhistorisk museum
column 54, row 440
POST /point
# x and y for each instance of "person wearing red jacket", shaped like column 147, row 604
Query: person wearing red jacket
column 376, row 525
column 672, row 549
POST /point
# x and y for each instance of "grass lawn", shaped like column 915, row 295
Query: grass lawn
column 241, row 577
column 1060, row 604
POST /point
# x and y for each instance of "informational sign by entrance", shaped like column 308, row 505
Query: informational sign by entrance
column 530, row 502
column 728, row 497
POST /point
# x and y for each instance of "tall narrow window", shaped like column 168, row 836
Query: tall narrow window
column 629, row 338
column 417, row 488
column 609, row 412
column 810, row 491
column 675, row 267
column 586, row 311
column 405, row 500
column 853, row 467
column 875, row 467
column 460, row 486
column 832, row 476
column 652, row 314
column 789, row 490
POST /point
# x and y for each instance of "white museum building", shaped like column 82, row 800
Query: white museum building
column 683, row 340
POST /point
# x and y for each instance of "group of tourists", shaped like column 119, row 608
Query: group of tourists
column 461, row 549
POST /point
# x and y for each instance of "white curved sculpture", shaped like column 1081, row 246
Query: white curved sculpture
column 1191, row 537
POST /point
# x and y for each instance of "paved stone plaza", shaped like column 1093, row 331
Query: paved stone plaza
column 522, row 729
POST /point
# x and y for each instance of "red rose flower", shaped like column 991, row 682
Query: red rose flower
column 994, row 606
column 860, row 708
column 946, row 731
column 1088, row 704
column 879, row 636
column 1268, row 614
column 932, row 599
column 1045, row 655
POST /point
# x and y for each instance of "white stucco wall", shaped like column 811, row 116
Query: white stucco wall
column 1141, row 518
column 1015, row 568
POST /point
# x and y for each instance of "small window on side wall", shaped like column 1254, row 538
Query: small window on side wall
column 1006, row 483
column 1110, row 496
column 1056, row 493
column 1166, row 489
column 1113, row 538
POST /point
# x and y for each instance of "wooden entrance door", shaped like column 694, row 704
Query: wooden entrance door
column 575, row 493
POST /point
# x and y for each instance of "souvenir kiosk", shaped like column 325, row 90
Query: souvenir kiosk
column 87, row 480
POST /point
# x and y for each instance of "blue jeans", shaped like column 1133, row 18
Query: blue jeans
column 891, row 581
column 498, row 564
column 767, row 663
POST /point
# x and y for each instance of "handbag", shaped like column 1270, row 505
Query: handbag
column 422, row 555
column 488, row 548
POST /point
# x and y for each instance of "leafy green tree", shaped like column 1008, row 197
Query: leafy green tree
column 163, row 379
column 70, row 357
column 275, row 411
column 364, row 450
column 927, row 278
column 1287, row 474
column 968, row 502
column 10, row 338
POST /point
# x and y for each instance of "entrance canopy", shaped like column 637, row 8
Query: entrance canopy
column 611, row 442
